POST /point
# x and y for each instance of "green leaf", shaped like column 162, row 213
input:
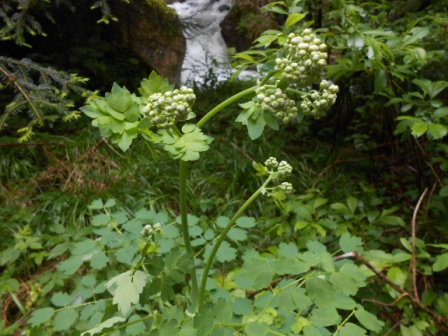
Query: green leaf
column 129, row 286
column 96, row 204
column 60, row 299
column 99, row 220
column 417, row 33
column 350, row 329
column 380, row 80
column 41, row 316
column 257, row 272
column 325, row 316
column 99, row 260
column 70, row 265
column 349, row 243
column 188, row 146
column 352, row 203
column 293, row 19
column 153, row 84
column 203, row 321
column 321, row 292
column 343, row 283
column 441, row 263
column 440, row 113
column 225, row 252
column 237, row 234
column 256, row 126
column 437, row 131
column 246, row 222
column 106, row 324
column 134, row 329
column 368, row 320
column 287, row 250
column 119, row 99
column 256, row 329
column 64, row 319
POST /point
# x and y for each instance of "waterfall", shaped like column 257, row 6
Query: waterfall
column 206, row 53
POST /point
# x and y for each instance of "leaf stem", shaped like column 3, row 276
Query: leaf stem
column 223, row 235
column 185, row 232
column 232, row 100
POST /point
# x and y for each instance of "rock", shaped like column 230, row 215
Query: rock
column 153, row 31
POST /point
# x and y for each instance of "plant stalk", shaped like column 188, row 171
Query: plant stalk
column 223, row 235
column 185, row 232
column 232, row 100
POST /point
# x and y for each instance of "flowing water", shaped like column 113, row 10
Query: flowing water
column 206, row 51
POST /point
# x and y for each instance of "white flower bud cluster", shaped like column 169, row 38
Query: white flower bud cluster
column 319, row 102
column 286, row 187
column 284, row 168
column 271, row 163
column 149, row 230
column 168, row 108
column 305, row 59
column 275, row 101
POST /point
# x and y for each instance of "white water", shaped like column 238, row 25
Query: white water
column 206, row 55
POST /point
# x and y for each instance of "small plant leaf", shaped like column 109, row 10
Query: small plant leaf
column 368, row 320
column 41, row 316
column 106, row 324
column 129, row 286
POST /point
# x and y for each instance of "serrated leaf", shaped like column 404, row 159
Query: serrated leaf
column 246, row 222
column 256, row 273
column 350, row 329
column 96, row 204
column 70, row 265
column 60, row 299
column 256, row 328
column 203, row 321
column 368, row 320
column 41, row 316
column 153, row 84
column 99, row 220
column 287, row 250
column 321, row 292
column 64, row 319
column 58, row 250
column 237, row 234
column 106, row 324
column 119, row 98
column 225, row 252
column 137, row 328
column 324, row 317
column 129, row 286
column 99, row 260
column 349, row 243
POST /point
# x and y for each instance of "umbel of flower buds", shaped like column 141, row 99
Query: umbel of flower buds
column 168, row 108
column 304, row 59
column 276, row 102
column 319, row 102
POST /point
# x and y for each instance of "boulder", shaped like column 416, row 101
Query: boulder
column 153, row 31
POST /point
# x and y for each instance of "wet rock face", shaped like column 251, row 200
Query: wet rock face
column 153, row 31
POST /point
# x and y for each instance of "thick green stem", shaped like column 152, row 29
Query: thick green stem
column 185, row 232
column 223, row 235
column 224, row 104
column 231, row 100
